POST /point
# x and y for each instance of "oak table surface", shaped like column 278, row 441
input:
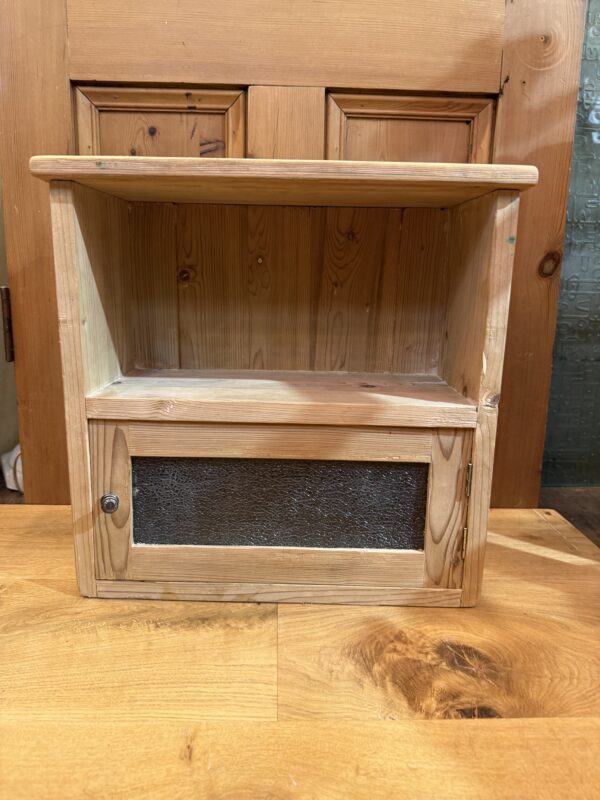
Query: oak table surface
column 132, row 699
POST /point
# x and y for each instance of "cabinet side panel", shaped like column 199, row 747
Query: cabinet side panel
column 483, row 233
column 479, row 294
column 66, row 258
column 102, row 225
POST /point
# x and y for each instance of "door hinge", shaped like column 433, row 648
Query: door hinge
column 9, row 346
column 468, row 479
column 464, row 543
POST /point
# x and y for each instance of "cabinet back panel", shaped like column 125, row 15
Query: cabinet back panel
column 280, row 288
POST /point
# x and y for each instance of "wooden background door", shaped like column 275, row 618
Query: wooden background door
column 461, row 81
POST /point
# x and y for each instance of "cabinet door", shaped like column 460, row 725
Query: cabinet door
column 363, row 127
column 284, row 512
column 207, row 123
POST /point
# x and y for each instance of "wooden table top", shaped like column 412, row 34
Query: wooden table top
column 136, row 699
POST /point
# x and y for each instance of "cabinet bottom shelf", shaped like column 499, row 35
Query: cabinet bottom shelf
column 255, row 396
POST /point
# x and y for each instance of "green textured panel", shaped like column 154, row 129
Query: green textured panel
column 572, row 454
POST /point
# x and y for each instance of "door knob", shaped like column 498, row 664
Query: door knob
column 109, row 503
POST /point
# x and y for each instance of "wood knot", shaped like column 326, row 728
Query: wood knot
column 549, row 264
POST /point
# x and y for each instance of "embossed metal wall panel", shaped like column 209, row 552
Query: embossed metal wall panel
column 572, row 452
column 279, row 502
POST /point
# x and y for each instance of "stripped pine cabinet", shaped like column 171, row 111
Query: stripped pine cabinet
column 326, row 434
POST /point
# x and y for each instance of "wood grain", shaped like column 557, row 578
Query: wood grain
column 34, row 118
column 446, row 509
column 287, row 441
column 330, row 760
column 168, row 661
column 181, row 691
column 307, row 288
column 480, row 267
column 484, row 235
column 408, row 128
column 528, row 650
column 535, row 124
column 286, row 122
column 160, row 122
column 72, row 265
column 281, row 182
column 111, row 473
column 154, row 289
column 303, row 397
column 319, row 594
column 338, row 43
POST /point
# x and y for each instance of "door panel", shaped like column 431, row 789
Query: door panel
column 160, row 122
column 429, row 517
column 362, row 127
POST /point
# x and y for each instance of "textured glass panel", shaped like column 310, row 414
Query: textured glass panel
column 572, row 454
column 279, row 502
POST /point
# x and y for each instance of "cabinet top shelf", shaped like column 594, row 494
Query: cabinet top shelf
column 245, row 181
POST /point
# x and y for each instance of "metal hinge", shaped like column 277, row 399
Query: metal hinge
column 464, row 543
column 9, row 346
column 468, row 479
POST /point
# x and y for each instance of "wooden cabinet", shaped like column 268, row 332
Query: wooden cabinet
column 275, row 391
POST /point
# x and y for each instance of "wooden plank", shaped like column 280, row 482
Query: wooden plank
column 338, row 43
column 289, row 574
column 154, row 285
column 212, row 319
column 419, row 291
column 71, row 267
column 446, row 509
column 221, row 662
column 279, row 593
column 286, row 122
column 34, row 118
column 123, row 121
column 408, row 128
column 319, row 442
column 329, row 760
column 315, row 398
column 484, row 442
column 111, row 472
column 540, row 77
column 280, row 182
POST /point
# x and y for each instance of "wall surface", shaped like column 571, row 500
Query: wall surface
column 8, row 397
column 572, row 452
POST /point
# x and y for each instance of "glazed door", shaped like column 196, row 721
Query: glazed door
column 338, row 508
